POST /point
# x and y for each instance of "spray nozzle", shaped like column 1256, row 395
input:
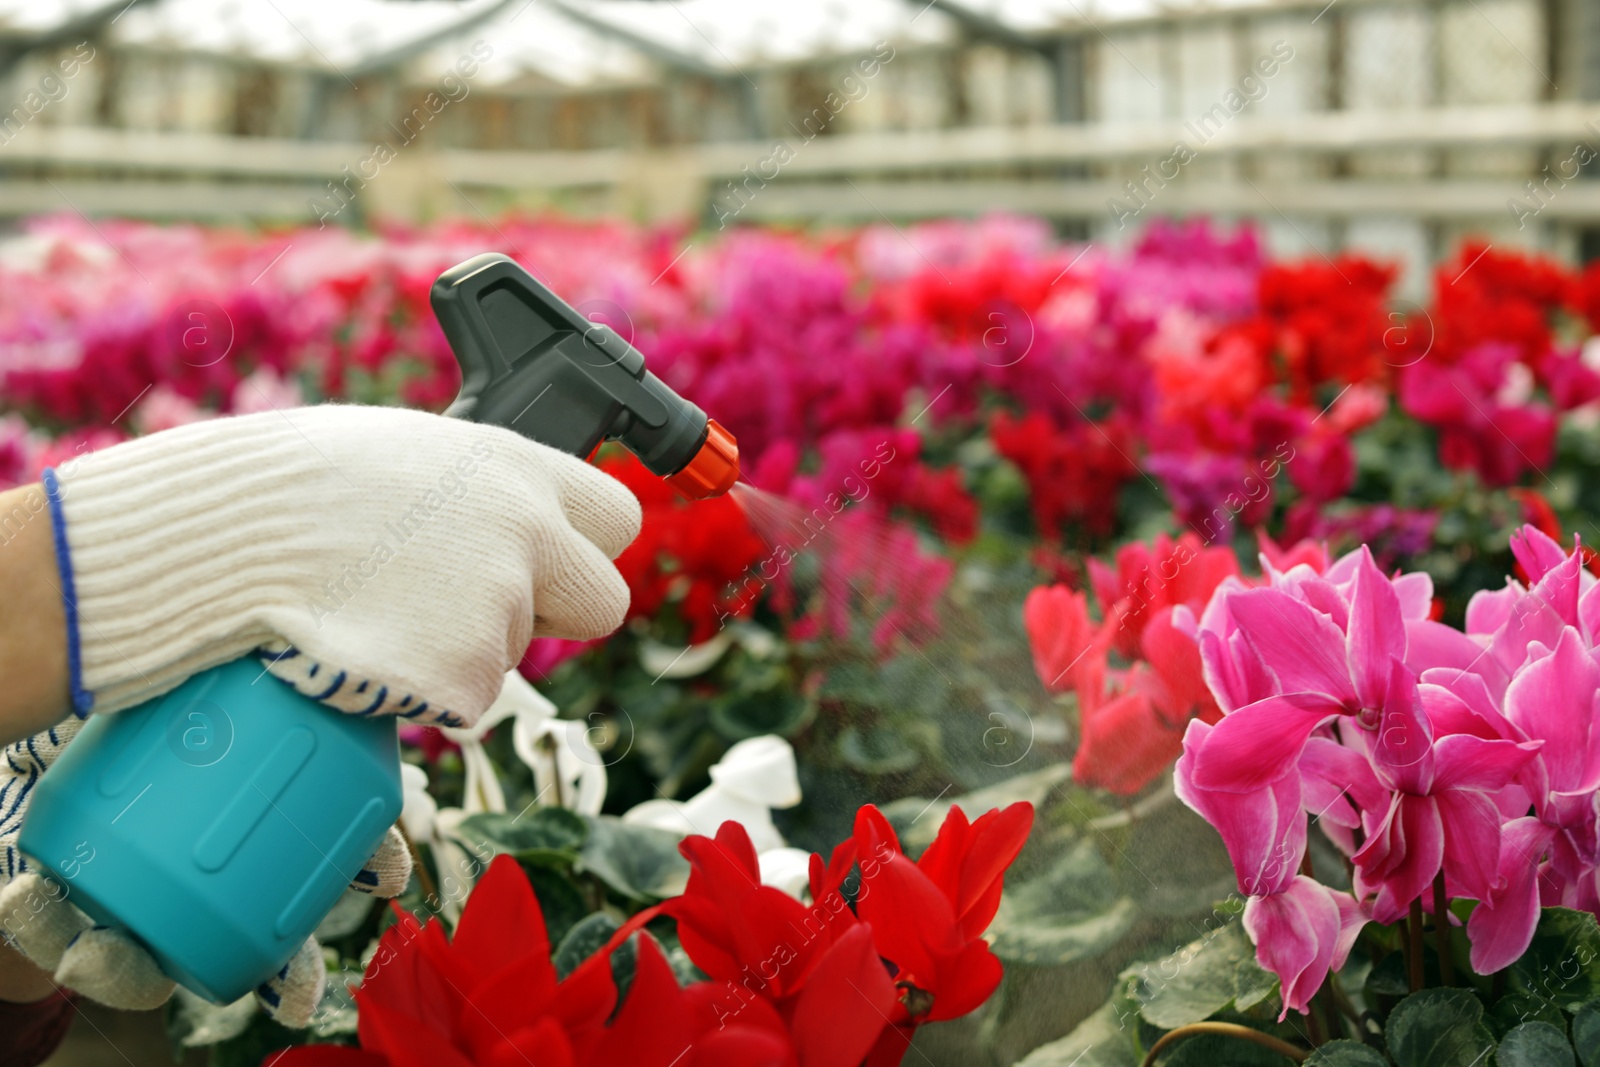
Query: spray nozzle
column 533, row 364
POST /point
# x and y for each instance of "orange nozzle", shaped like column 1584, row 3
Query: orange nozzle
column 714, row 468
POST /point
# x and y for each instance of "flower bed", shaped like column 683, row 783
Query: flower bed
column 1026, row 494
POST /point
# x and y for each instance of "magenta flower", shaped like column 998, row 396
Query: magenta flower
column 1424, row 752
column 1301, row 934
column 1550, row 855
column 1264, row 829
column 1300, row 927
column 1441, row 814
column 1323, row 648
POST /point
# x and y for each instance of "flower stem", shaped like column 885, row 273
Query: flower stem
column 1315, row 1031
column 1227, row 1030
column 1342, row 1001
column 1414, row 945
column 1441, row 931
column 430, row 891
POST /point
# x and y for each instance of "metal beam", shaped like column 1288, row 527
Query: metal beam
column 984, row 26
column 1559, row 125
column 411, row 49
column 159, row 199
column 70, row 30
column 1436, row 200
column 1531, row 125
column 1432, row 200
column 666, row 55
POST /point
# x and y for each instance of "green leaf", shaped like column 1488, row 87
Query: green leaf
column 1104, row 1039
column 742, row 715
column 1198, row 980
column 1071, row 912
column 562, row 903
column 544, row 836
column 625, row 962
column 1252, row 985
column 336, row 1014
column 1535, row 1045
column 1342, row 1053
column 1151, row 846
column 641, row 863
column 876, row 751
column 1209, row 1050
column 193, row 1021
column 1562, row 963
column 261, row 1037
column 586, row 938
column 1388, row 979
column 346, row 916
column 1514, row 1009
column 1042, row 941
column 852, row 683
column 1586, row 1034
column 1439, row 1028
column 917, row 819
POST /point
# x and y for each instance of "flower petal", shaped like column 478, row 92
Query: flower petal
column 1338, row 783
column 1261, row 742
column 1466, row 762
column 1489, row 609
column 1434, row 646
column 1402, row 752
column 1471, row 825
column 1125, row 745
column 502, row 922
column 1301, row 647
column 1553, row 699
column 1377, row 631
column 1264, row 829
column 1401, row 858
column 1295, row 934
column 1501, row 928
column 1537, row 551
column 653, row 1024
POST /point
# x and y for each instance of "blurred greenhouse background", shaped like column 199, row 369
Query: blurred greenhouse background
column 1393, row 128
column 866, row 213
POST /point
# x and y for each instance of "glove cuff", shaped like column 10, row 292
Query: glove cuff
column 170, row 549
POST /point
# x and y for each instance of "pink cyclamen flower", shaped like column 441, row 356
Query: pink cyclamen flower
column 1301, row 934
column 1441, row 814
column 1301, row 928
column 1309, row 648
column 1554, row 700
column 1264, row 829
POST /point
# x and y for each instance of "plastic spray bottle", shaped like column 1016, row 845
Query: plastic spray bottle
column 218, row 823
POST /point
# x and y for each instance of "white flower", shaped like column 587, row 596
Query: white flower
column 665, row 661
column 553, row 748
column 428, row 824
column 563, row 759
column 566, row 768
column 416, row 818
column 788, row 869
column 754, row 777
column 482, row 791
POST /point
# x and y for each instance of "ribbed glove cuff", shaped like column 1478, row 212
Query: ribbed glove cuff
column 170, row 548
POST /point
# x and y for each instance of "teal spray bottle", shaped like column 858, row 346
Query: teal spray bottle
column 222, row 820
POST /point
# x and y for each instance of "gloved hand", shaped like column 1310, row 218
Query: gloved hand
column 385, row 561
column 39, row 918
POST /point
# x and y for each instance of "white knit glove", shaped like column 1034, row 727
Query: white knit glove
column 38, row 917
column 385, row 561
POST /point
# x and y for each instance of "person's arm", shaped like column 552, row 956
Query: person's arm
column 33, row 629
column 33, row 662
